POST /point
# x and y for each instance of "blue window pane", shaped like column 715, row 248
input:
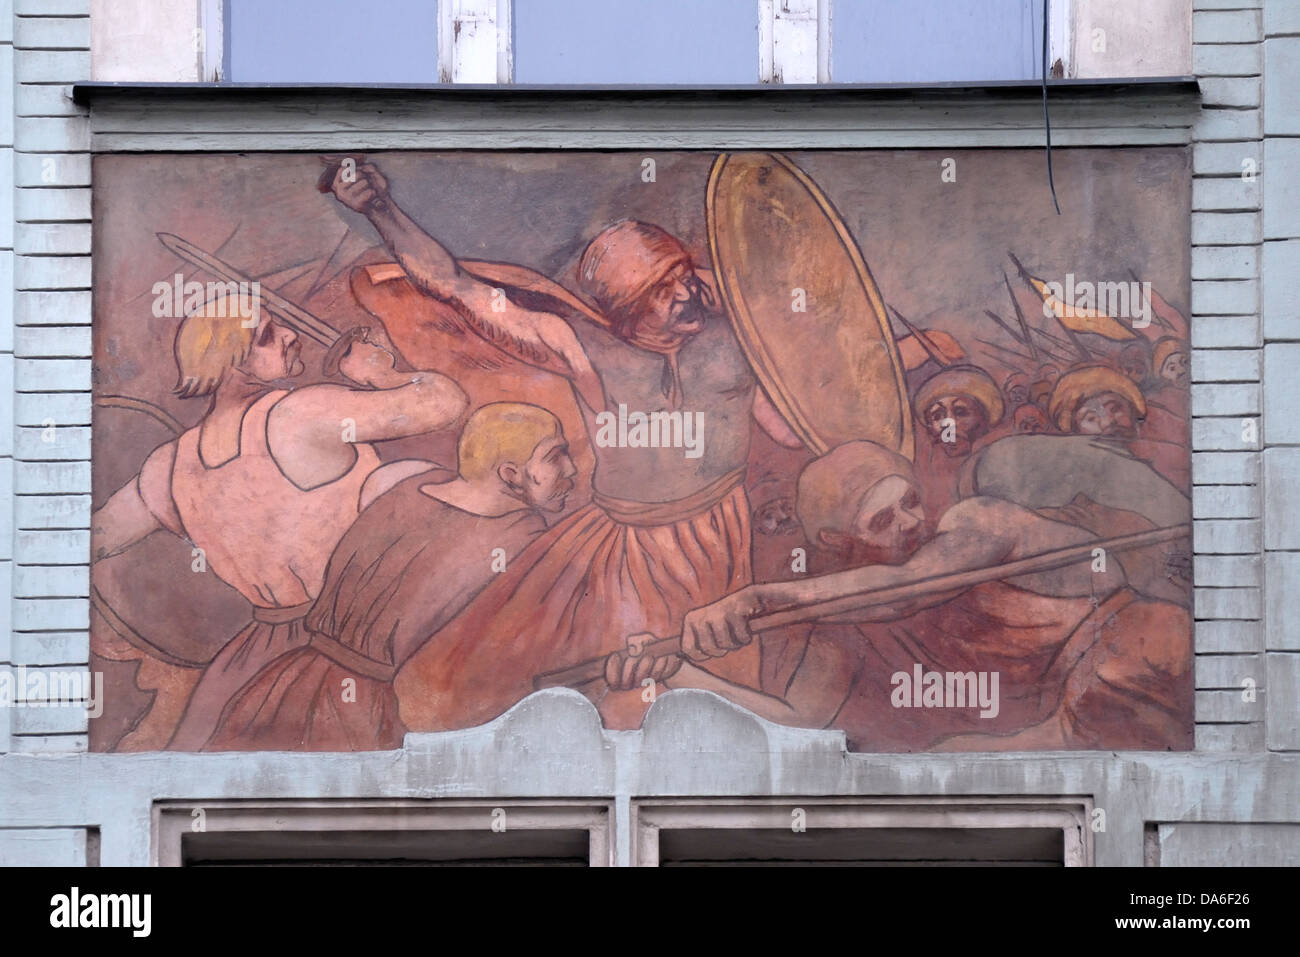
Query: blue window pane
column 636, row 41
column 936, row 41
column 332, row 41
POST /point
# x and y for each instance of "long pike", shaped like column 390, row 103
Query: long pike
column 930, row 348
column 593, row 669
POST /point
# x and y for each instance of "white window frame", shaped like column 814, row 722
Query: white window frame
column 172, row 820
column 475, row 40
column 795, row 39
column 1072, row 816
column 212, row 27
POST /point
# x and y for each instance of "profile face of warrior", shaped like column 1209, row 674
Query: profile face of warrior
column 643, row 279
column 969, row 422
column 276, row 352
column 546, row 479
column 1107, row 413
column 1175, row 369
column 676, row 305
column 213, row 341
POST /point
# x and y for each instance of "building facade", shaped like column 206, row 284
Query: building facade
column 1175, row 151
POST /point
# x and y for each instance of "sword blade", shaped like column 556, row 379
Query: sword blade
column 293, row 314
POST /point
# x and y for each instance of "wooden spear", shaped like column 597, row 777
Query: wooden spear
column 593, row 669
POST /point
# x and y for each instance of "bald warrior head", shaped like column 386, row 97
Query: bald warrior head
column 958, row 406
column 1097, row 400
column 861, row 500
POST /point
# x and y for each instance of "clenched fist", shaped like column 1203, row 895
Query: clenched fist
column 361, row 188
column 720, row 628
column 627, row 670
column 367, row 363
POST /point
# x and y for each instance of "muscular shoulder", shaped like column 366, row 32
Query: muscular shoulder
column 308, row 399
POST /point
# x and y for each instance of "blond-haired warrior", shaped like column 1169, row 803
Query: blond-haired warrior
column 417, row 555
column 270, row 478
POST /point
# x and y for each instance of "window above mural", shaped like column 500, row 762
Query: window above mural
column 647, row 42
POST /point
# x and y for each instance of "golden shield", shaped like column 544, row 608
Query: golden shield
column 804, row 305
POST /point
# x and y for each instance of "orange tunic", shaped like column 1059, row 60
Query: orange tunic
column 610, row 570
column 267, row 538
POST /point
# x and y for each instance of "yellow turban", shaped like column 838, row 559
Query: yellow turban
column 971, row 381
column 1080, row 384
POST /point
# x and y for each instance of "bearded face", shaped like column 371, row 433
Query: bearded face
column 548, row 475
column 1108, row 414
column 678, row 305
column 955, row 422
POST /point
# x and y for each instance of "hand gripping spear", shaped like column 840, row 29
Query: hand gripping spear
column 593, row 669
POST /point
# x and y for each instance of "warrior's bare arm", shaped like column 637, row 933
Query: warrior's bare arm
column 966, row 539
column 540, row 338
column 311, row 431
column 138, row 509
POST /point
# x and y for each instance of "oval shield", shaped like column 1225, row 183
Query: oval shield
column 804, row 305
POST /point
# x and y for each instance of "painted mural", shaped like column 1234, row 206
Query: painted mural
column 866, row 440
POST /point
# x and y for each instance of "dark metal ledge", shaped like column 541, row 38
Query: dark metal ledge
column 1177, row 87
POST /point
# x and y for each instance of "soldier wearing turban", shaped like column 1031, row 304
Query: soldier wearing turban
column 1101, row 401
column 964, row 396
column 1097, row 400
column 1169, row 361
column 961, row 409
